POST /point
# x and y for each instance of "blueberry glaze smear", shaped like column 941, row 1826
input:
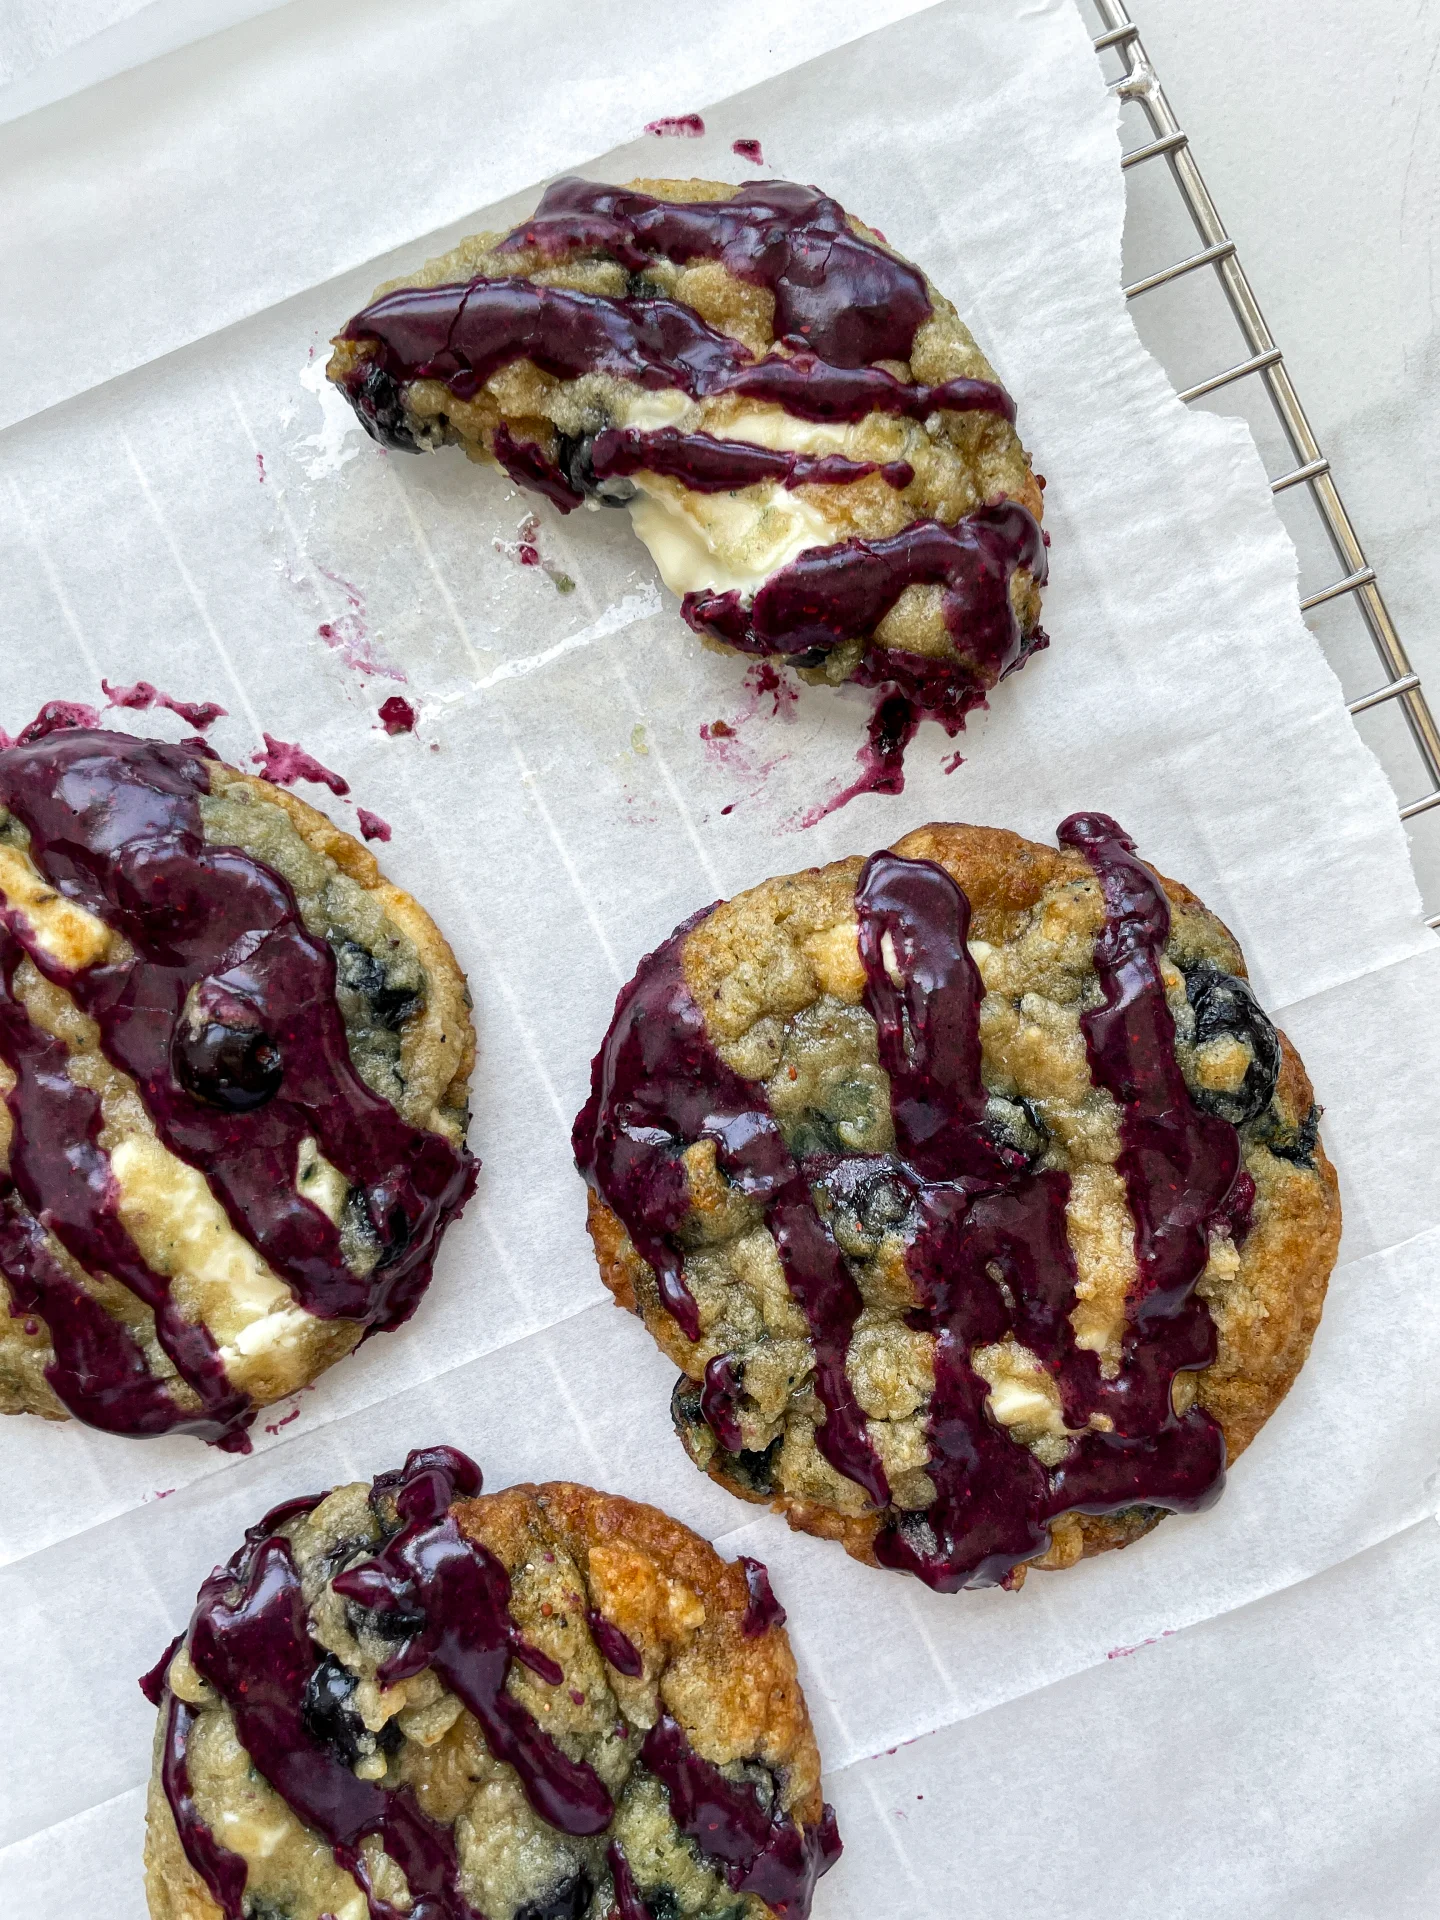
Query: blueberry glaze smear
column 987, row 1252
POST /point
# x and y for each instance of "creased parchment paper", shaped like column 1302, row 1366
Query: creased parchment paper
column 215, row 523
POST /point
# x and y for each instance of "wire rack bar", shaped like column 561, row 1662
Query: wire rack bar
column 1140, row 83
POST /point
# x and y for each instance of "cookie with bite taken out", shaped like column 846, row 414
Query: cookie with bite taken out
column 805, row 434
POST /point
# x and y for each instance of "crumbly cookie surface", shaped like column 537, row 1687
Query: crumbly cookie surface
column 976, row 1197
column 541, row 1704
column 234, row 1063
column 808, row 439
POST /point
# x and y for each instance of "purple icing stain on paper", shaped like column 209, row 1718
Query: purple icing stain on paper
column 285, row 762
column 748, row 150
column 371, row 825
column 195, row 713
column 677, row 126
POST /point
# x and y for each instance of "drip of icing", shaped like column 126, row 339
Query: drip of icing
column 707, row 465
column 616, row 1647
column 763, row 1853
column 462, row 1590
column 463, row 333
column 54, row 717
column 223, row 1872
column 152, row 1682
column 657, row 1085
column 682, row 126
column 719, row 1397
column 115, row 825
column 763, row 1610
column 628, row 1904
column 977, row 1209
column 529, row 466
column 891, row 727
column 59, row 1175
column 843, row 592
column 836, row 292
column 372, row 827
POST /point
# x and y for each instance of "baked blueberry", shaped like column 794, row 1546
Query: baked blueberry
column 233, row 1061
column 975, row 1195
column 811, row 444
column 588, row 1714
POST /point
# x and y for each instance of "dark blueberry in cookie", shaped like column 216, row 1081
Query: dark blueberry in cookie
column 569, row 1901
column 396, row 1625
column 874, row 1190
column 222, row 1054
column 661, row 1903
column 379, row 401
column 1017, row 1129
column 328, row 1715
column 1295, row 1144
column 361, row 974
column 577, row 462
column 754, row 1471
column 1226, row 1008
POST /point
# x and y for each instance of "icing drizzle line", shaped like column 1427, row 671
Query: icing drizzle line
column 249, row 1638
column 657, row 1085
column 114, row 824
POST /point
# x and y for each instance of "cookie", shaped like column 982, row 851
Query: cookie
column 808, row 439
column 234, row 1063
column 541, row 1704
column 975, row 1194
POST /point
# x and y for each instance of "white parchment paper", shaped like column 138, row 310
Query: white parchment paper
column 215, row 522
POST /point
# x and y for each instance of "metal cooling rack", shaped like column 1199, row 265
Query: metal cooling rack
column 1139, row 84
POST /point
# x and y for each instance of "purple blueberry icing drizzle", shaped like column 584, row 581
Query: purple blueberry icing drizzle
column 223, row 1872
column 615, row 1646
column 842, row 302
column 831, row 594
column 115, row 825
column 977, row 1210
column 431, row 1568
column 763, row 1853
column 249, row 1638
column 657, row 1085
column 836, row 292
column 763, row 1610
column 708, row 465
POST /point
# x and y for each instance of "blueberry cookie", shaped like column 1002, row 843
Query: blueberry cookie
column 972, row 1189
column 541, row 1704
column 233, row 1061
column 809, row 441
